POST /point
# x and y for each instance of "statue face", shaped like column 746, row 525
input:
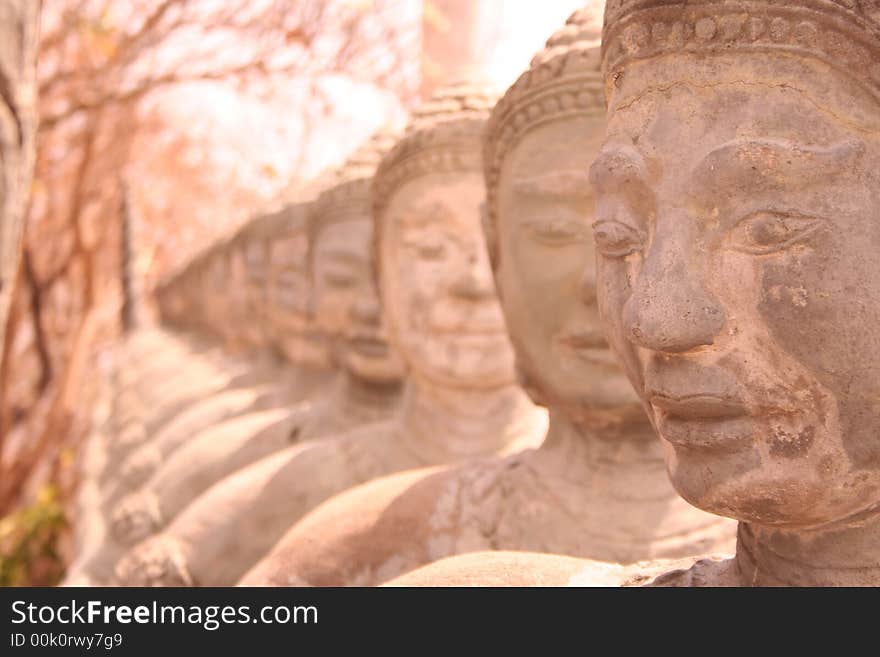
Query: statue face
column 213, row 279
column 256, row 254
column 237, row 280
column 289, row 291
column 289, row 277
column 242, row 294
column 437, row 283
column 546, row 272
column 347, row 303
column 236, row 284
column 737, row 229
column 218, row 272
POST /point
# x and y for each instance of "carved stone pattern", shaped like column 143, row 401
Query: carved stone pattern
column 842, row 33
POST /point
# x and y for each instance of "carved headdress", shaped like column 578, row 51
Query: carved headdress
column 347, row 191
column 842, row 34
column 563, row 80
column 444, row 134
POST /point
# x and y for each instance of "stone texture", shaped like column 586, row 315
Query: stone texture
column 737, row 196
column 441, row 306
column 600, row 463
column 270, row 495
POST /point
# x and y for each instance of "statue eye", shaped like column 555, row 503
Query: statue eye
column 615, row 239
column 762, row 233
column 340, row 279
column 556, row 232
column 431, row 250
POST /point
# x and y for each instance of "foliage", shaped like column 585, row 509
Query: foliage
column 29, row 542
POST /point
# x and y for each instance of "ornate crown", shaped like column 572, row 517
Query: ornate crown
column 348, row 189
column 444, row 135
column 563, row 80
column 844, row 34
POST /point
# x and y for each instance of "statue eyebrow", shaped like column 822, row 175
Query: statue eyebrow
column 343, row 256
column 569, row 183
column 768, row 162
column 429, row 214
column 618, row 164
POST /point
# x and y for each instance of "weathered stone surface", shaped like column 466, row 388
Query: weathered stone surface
column 738, row 277
column 600, row 463
column 737, row 197
column 286, row 486
column 442, row 309
column 216, row 546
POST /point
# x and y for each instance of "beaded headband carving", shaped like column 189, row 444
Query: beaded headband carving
column 563, row 80
column 844, row 34
column 444, row 135
column 349, row 189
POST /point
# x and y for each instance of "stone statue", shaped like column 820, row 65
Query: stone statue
column 238, row 401
column 346, row 302
column 264, row 382
column 345, row 306
column 738, row 193
column 601, row 462
column 173, row 392
column 158, row 383
column 243, row 335
column 206, row 544
column 443, row 315
column 211, row 305
column 250, row 263
column 291, row 322
column 151, row 355
column 255, row 247
column 213, row 530
column 286, row 314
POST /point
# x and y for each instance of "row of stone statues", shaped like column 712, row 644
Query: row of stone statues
column 666, row 227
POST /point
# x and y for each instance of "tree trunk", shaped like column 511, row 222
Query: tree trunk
column 19, row 28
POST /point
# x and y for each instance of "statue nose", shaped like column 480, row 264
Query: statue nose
column 475, row 282
column 670, row 310
column 366, row 311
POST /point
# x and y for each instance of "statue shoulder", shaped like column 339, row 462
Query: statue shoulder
column 690, row 572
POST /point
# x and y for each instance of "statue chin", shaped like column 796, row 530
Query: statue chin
column 380, row 370
column 292, row 348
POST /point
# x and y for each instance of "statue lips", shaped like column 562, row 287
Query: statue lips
column 701, row 420
column 697, row 406
column 371, row 346
column 590, row 346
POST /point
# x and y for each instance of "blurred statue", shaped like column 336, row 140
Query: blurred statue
column 346, row 307
column 444, row 316
column 289, row 317
column 601, row 461
column 213, row 530
column 738, row 193
column 158, row 376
